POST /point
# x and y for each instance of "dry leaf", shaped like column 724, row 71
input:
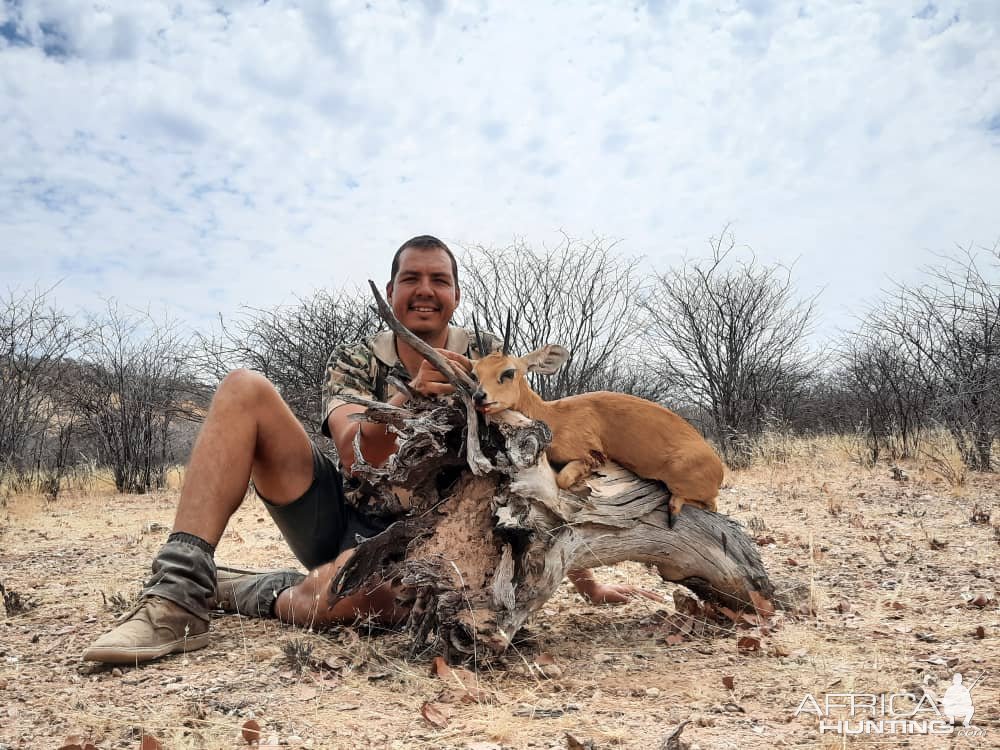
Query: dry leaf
column 686, row 604
column 728, row 681
column 440, row 668
column 436, row 714
column 747, row 644
column 844, row 607
column 149, row 742
column 762, row 605
column 251, row 731
column 729, row 613
column 73, row 742
column 980, row 632
column 306, row 693
column 981, row 600
column 675, row 639
column 462, row 684
column 572, row 743
column 544, row 658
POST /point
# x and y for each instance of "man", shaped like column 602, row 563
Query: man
column 250, row 433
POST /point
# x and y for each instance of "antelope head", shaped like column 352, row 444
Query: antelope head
column 501, row 378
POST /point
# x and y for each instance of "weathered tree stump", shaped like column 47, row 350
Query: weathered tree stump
column 488, row 537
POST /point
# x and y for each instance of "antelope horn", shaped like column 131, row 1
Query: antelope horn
column 506, row 335
column 480, row 343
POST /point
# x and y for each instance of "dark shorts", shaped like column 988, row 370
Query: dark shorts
column 321, row 524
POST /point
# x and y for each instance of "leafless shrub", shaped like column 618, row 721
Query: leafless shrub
column 577, row 294
column 728, row 335
column 298, row 653
column 14, row 603
column 290, row 344
column 940, row 455
column 36, row 339
column 120, row 602
column 979, row 515
column 947, row 330
column 888, row 400
column 134, row 382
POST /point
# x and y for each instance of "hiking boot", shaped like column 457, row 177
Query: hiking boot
column 155, row 628
column 250, row 592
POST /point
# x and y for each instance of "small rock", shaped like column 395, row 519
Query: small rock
column 652, row 692
column 116, row 672
column 602, row 658
column 552, row 671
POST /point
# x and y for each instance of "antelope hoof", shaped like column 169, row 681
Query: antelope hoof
column 674, row 510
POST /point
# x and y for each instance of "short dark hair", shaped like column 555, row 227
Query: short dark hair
column 423, row 242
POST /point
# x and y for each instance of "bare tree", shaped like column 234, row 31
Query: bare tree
column 888, row 399
column 134, row 382
column 728, row 335
column 290, row 344
column 577, row 294
column 36, row 339
column 948, row 330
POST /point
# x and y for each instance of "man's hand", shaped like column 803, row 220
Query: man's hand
column 607, row 593
column 429, row 381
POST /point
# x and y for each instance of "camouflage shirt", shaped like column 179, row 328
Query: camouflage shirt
column 363, row 369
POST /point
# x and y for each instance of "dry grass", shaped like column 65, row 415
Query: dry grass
column 888, row 566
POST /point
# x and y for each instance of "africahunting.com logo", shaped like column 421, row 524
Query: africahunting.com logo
column 896, row 713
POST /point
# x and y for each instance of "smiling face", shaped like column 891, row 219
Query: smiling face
column 423, row 293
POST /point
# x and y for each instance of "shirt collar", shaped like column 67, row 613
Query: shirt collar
column 384, row 344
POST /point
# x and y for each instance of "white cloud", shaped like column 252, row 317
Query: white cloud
column 202, row 156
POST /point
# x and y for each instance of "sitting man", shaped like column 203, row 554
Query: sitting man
column 250, row 433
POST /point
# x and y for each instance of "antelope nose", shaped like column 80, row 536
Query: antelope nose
column 479, row 396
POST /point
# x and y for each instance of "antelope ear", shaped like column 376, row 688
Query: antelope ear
column 546, row 360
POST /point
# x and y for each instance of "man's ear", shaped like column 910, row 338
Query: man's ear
column 388, row 292
column 546, row 360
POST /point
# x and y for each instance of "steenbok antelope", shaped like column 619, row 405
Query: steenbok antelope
column 646, row 438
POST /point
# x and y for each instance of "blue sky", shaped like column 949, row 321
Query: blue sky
column 200, row 155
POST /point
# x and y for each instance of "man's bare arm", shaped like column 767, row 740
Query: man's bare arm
column 377, row 443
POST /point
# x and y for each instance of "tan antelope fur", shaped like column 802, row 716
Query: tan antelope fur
column 589, row 429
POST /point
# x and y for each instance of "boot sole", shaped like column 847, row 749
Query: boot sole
column 139, row 654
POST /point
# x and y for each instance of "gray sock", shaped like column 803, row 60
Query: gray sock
column 184, row 573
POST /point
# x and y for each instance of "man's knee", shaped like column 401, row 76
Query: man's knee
column 245, row 388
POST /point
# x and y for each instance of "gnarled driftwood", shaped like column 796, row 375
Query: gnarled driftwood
column 486, row 542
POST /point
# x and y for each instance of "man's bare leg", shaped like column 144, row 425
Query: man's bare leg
column 308, row 604
column 249, row 431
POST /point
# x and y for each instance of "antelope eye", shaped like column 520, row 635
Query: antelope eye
column 507, row 374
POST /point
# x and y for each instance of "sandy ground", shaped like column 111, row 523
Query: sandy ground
column 895, row 568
